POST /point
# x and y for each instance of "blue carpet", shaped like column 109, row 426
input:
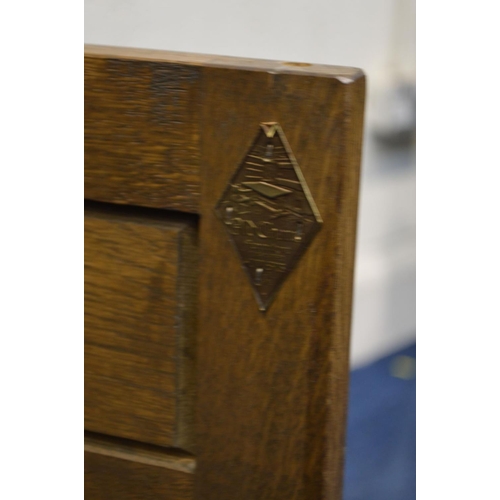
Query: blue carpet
column 380, row 455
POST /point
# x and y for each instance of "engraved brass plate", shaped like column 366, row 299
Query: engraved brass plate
column 269, row 212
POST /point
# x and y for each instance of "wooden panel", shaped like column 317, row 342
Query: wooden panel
column 140, row 273
column 142, row 133
column 121, row 472
column 272, row 387
column 142, row 120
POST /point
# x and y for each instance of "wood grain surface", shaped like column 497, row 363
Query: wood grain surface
column 272, row 387
column 117, row 471
column 142, row 133
column 142, row 121
column 140, row 273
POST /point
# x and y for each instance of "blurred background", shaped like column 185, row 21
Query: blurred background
column 377, row 36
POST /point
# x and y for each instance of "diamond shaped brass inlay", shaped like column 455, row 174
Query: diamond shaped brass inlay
column 269, row 212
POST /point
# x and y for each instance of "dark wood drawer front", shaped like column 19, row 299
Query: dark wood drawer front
column 116, row 472
column 140, row 275
column 142, row 133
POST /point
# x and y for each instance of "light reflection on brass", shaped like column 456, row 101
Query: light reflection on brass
column 269, row 213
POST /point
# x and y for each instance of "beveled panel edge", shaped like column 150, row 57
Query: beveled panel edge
column 147, row 454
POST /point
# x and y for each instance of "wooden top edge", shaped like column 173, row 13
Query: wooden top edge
column 341, row 73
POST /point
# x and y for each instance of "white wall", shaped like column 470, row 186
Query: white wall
column 375, row 35
column 304, row 30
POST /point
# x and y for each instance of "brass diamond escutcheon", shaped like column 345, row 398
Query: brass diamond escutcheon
column 269, row 213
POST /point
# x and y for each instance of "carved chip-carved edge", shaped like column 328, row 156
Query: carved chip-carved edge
column 269, row 212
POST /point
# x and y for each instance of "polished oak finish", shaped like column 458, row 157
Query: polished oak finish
column 142, row 133
column 270, row 387
column 140, row 287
